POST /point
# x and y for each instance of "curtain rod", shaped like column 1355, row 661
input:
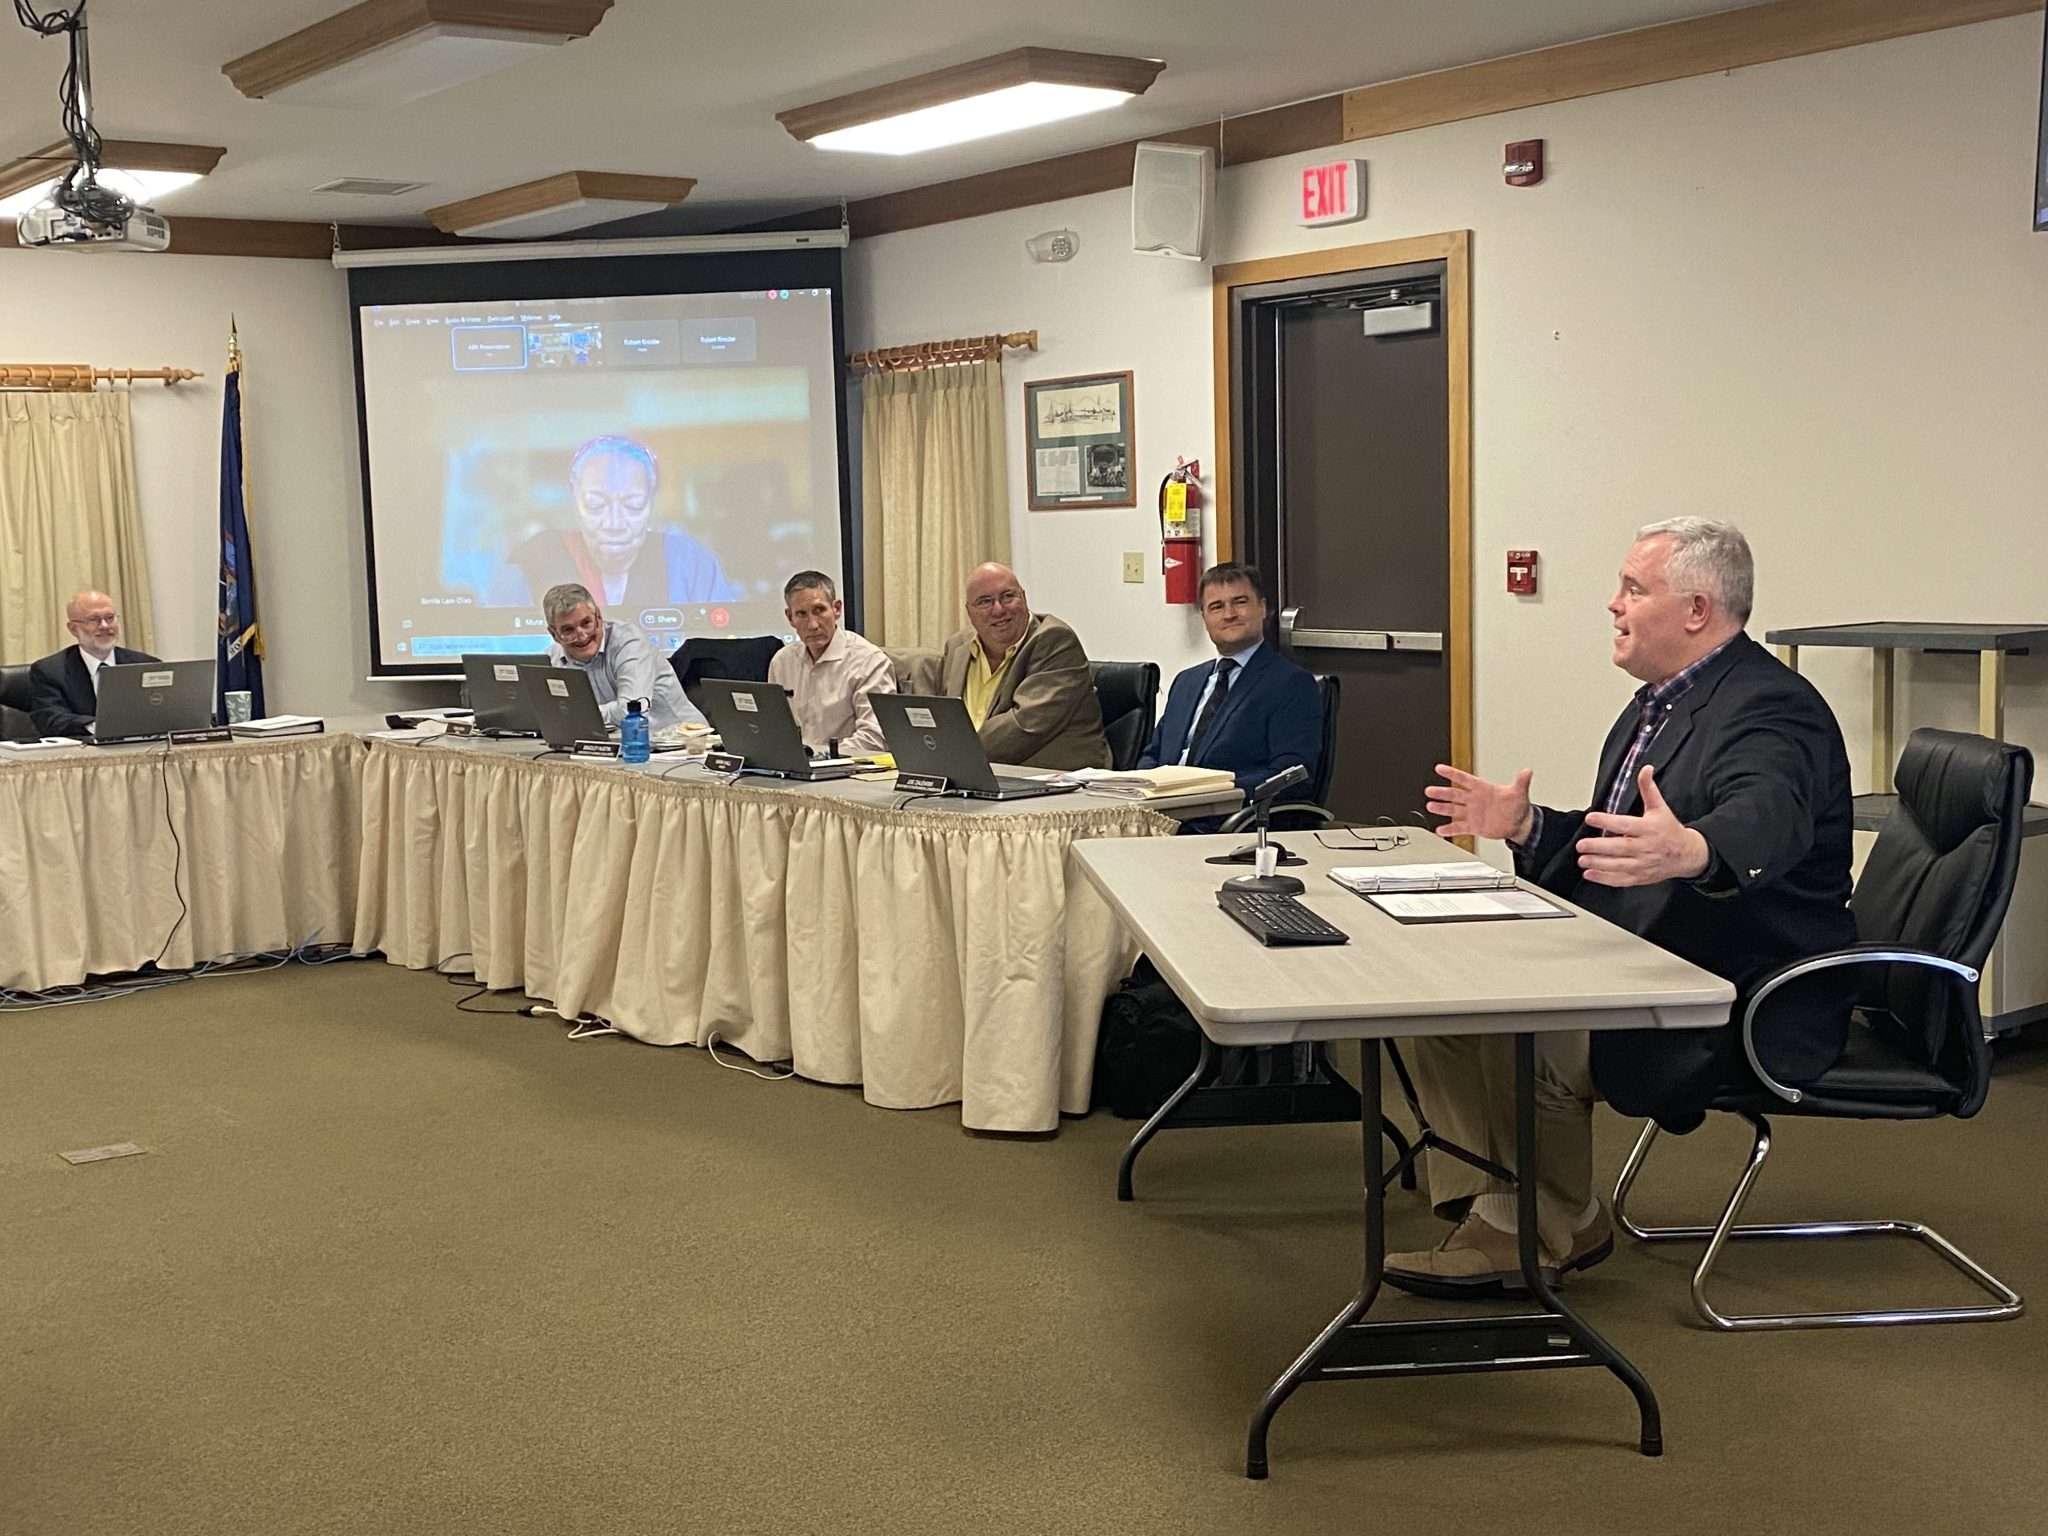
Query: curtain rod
column 936, row 354
column 80, row 378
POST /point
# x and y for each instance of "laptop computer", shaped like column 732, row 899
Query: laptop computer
column 754, row 722
column 933, row 736
column 491, row 684
column 145, row 700
column 563, row 706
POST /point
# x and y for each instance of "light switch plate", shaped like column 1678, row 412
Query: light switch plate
column 1134, row 565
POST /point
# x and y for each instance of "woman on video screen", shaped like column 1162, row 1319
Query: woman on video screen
column 615, row 550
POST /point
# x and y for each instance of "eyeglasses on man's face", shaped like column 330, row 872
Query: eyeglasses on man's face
column 97, row 621
column 1009, row 597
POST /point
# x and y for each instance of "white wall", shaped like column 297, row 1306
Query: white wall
column 1802, row 295
column 305, row 510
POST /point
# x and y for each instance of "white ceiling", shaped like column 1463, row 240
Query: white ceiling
column 677, row 87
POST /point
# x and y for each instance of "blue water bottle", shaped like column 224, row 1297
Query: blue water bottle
column 633, row 737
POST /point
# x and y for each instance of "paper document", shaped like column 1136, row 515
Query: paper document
column 1441, row 906
column 1451, row 875
column 281, row 725
column 42, row 744
column 1151, row 783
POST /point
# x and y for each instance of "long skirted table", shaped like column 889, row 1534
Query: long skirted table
column 113, row 857
column 930, row 950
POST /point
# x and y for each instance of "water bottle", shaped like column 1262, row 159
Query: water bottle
column 633, row 735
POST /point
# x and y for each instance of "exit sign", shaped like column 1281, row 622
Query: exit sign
column 1333, row 193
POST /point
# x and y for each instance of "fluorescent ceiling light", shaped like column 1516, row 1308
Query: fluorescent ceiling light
column 150, row 187
column 556, row 204
column 384, row 52
column 1019, row 89
column 137, row 168
column 978, row 117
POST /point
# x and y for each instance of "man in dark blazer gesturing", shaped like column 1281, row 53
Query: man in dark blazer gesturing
column 1720, row 831
column 65, row 684
column 1251, row 712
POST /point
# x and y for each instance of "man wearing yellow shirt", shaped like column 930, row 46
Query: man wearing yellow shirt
column 1024, row 678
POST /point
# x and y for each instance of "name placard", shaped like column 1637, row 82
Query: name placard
column 924, row 783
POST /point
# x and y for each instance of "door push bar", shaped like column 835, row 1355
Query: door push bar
column 1295, row 638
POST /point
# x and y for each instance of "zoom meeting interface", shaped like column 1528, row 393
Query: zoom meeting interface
column 676, row 454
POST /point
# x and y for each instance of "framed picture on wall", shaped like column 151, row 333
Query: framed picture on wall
column 1081, row 442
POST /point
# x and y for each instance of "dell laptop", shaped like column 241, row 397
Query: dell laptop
column 754, row 722
column 145, row 700
column 934, row 738
column 563, row 706
column 491, row 685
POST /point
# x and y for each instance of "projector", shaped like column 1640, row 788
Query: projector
column 46, row 224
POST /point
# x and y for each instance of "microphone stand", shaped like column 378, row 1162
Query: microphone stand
column 1265, row 884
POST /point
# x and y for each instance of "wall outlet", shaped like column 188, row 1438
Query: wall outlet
column 1134, row 565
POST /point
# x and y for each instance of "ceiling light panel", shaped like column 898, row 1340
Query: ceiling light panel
column 384, row 52
column 1020, row 89
column 555, row 205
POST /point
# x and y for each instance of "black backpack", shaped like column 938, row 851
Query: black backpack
column 1147, row 1046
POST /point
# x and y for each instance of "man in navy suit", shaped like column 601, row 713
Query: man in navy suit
column 1251, row 711
column 66, row 683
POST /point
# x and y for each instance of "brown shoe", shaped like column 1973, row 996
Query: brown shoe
column 1477, row 1259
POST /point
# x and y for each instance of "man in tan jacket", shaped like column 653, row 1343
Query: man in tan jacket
column 1024, row 678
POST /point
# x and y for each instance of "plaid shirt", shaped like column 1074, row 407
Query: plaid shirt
column 1654, row 702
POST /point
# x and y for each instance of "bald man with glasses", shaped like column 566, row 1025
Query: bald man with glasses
column 65, row 685
column 1024, row 678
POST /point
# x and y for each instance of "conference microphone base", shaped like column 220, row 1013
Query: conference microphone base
column 1266, row 885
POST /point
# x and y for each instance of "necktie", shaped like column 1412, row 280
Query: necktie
column 1224, row 667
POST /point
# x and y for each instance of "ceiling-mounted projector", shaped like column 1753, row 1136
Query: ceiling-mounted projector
column 47, row 224
column 81, row 214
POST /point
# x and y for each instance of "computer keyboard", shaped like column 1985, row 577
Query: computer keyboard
column 1275, row 919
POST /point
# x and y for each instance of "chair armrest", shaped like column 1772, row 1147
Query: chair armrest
column 1959, row 975
column 1241, row 818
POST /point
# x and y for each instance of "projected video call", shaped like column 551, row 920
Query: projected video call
column 677, row 454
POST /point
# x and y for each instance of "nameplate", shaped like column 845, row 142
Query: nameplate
column 724, row 762
column 596, row 749
column 193, row 738
column 463, row 728
column 925, row 783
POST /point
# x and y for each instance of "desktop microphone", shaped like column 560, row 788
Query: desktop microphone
column 1261, row 801
column 1286, row 778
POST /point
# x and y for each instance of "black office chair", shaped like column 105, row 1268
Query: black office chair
column 740, row 660
column 16, row 698
column 1933, row 894
column 1128, row 692
column 1313, row 811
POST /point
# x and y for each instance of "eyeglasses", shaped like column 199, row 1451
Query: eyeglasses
column 1006, row 598
column 98, row 621
column 1366, row 841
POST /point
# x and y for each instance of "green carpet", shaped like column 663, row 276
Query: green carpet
column 387, row 1267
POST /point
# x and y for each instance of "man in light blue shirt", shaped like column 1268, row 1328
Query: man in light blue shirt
column 617, row 658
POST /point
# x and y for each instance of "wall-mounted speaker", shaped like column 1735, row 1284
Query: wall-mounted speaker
column 1172, row 188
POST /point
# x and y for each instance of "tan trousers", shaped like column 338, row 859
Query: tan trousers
column 1467, row 1087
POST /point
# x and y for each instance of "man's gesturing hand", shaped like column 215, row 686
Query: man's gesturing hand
column 1645, row 849
column 1475, row 808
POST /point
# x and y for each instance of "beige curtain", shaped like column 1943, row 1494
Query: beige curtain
column 68, row 518
column 934, row 495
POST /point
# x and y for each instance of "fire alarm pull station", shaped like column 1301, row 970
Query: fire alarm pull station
column 1522, row 572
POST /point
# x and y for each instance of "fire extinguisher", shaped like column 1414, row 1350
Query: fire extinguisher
column 1180, row 530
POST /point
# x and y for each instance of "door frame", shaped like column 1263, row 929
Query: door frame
column 1453, row 249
